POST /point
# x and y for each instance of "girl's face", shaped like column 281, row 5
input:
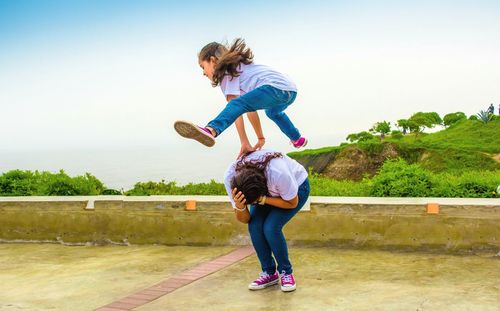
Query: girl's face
column 208, row 67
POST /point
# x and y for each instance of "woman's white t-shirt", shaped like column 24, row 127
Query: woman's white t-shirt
column 284, row 175
column 253, row 76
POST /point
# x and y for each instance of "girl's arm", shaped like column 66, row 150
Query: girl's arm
column 254, row 119
column 240, row 126
column 279, row 202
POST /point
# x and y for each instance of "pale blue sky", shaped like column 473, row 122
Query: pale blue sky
column 94, row 74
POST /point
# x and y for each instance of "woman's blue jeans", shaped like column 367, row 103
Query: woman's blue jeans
column 274, row 101
column 265, row 227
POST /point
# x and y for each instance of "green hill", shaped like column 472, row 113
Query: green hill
column 469, row 145
column 468, row 135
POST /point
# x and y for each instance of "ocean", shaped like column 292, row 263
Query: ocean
column 121, row 168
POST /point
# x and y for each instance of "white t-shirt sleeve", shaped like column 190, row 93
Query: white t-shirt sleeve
column 227, row 183
column 284, row 181
column 230, row 85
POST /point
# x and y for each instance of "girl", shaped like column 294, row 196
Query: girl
column 248, row 87
column 276, row 187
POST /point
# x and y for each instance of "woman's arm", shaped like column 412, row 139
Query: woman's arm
column 241, row 210
column 279, row 202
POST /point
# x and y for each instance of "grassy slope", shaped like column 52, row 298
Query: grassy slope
column 467, row 135
column 468, row 145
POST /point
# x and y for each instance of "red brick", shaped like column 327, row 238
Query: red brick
column 180, row 280
column 122, row 306
column 134, row 301
column 142, row 297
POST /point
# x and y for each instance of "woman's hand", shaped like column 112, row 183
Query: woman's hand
column 259, row 143
column 239, row 199
column 245, row 148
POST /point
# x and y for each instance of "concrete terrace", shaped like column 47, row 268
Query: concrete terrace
column 57, row 277
column 189, row 253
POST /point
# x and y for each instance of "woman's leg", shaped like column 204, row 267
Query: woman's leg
column 273, row 229
column 258, row 215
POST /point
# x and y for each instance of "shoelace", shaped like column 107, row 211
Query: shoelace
column 286, row 278
column 263, row 276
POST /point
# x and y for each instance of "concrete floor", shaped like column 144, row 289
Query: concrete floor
column 55, row 277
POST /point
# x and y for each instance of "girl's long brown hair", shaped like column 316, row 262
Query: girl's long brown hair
column 227, row 58
column 250, row 177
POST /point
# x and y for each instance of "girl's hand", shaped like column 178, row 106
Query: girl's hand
column 239, row 199
column 259, row 143
column 245, row 148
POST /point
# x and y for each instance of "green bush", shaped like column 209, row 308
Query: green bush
column 18, row 183
column 400, row 179
column 171, row 188
column 27, row 183
column 373, row 146
column 111, row 192
column 396, row 134
column 470, row 184
column 324, row 186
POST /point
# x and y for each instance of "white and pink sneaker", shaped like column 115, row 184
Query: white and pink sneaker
column 287, row 282
column 198, row 133
column 299, row 143
column 264, row 281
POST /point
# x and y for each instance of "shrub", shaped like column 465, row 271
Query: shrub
column 396, row 134
column 373, row 146
column 171, row 188
column 324, row 186
column 26, row 183
column 471, row 184
column 399, row 179
column 18, row 183
column 111, row 192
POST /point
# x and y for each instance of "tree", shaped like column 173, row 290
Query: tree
column 421, row 120
column 452, row 118
column 382, row 128
column 404, row 124
column 358, row 137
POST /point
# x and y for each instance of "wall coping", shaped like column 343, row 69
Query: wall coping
column 313, row 199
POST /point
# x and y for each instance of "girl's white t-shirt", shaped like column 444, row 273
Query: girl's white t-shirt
column 253, row 76
column 284, row 175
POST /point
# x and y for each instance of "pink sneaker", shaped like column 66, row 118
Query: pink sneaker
column 264, row 281
column 198, row 133
column 299, row 143
column 287, row 282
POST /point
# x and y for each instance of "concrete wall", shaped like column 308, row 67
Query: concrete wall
column 461, row 224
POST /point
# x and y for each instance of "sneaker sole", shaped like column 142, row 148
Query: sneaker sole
column 189, row 130
column 250, row 287
column 288, row 288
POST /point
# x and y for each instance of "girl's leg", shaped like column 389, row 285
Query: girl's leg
column 258, row 215
column 264, row 97
column 283, row 122
column 279, row 117
column 273, row 227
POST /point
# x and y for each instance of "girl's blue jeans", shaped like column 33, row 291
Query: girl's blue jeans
column 274, row 101
column 265, row 227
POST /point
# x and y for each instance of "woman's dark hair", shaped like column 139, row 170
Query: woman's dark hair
column 227, row 58
column 250, row 177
